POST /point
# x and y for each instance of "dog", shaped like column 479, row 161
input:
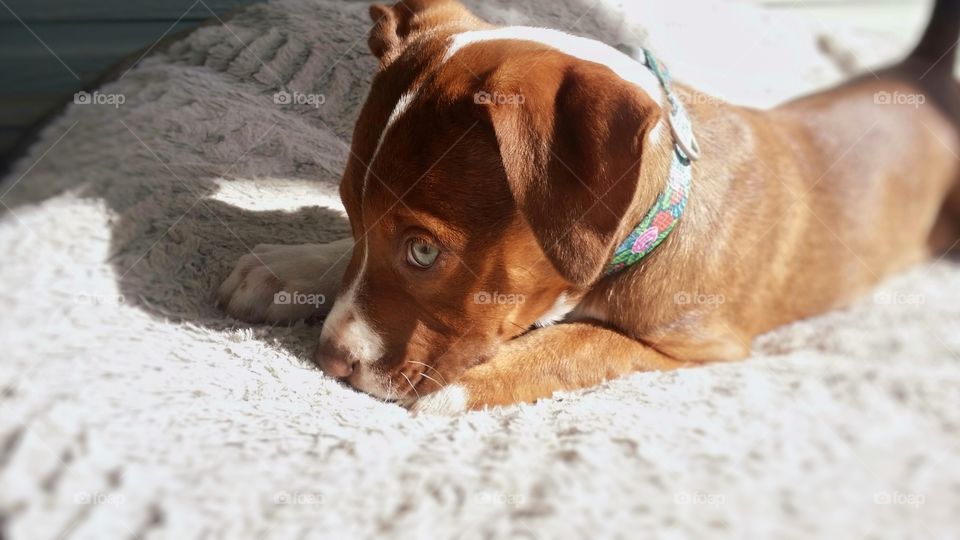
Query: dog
column 534, row 211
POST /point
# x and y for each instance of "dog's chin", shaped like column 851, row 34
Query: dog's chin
column 391, row 387
column 407, row 400
column 385, row 387
column 389, row 393
column 369, row 380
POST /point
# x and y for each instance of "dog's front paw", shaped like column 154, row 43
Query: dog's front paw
column 276, row 283
column 447, row 401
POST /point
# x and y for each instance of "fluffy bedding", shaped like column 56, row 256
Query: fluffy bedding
column 131, row 407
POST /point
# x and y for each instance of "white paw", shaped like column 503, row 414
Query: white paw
column 277, row 283
column 448, row 401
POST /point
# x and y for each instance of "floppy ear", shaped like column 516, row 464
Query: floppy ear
column 393, row 24
column 572, row 159
column 384, row 39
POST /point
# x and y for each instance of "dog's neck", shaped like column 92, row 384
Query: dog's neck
column 664, row 212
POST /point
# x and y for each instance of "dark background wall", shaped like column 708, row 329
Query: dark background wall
column 50, row 49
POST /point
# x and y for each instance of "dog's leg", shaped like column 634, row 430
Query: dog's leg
column 533, row 366
column 277, row 283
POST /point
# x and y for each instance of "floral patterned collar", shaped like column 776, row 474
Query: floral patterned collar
column 661, row 219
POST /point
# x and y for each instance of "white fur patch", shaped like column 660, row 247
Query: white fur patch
column 347, row 327
column 401, row 107
column 403, row 104
column 447, row 401
column 563, row 305
column 583, row 48
column 373, row 382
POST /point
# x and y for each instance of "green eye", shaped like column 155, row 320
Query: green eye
column 421, row 254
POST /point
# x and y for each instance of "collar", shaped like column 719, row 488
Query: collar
column 660, row 220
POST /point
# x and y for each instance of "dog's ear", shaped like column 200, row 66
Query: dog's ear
column 383, row 36
column 571, row 151
column 393, row 24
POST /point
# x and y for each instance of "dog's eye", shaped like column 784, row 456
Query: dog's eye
column 421, row 254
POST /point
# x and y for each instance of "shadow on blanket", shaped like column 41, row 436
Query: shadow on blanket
column 172, row 245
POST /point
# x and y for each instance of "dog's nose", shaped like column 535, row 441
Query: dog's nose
column 333, row 360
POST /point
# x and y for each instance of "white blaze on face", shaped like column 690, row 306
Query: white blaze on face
column 347, row 327
column 403, row 104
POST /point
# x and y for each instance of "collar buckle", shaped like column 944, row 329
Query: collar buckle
column 680, row 125
column 681, row 129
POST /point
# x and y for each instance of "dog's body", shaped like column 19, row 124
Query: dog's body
column 792, row 212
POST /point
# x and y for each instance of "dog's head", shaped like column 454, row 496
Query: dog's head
column 490, row 176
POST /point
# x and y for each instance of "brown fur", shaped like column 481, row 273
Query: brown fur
column 793, row 211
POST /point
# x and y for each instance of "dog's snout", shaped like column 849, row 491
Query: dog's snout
column 334, row 361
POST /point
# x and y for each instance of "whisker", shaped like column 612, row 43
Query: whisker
column 431, row 378
column 390, row 387
column 428, row 366
column 412, row 387
column 524, row 328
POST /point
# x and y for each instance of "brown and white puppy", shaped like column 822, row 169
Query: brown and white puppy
column 493, row 171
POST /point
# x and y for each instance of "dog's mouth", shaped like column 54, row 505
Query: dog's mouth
column 412, row 379
column 402, row 386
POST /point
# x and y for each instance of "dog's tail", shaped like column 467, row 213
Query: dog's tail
column 933, row 60
column 938, row 46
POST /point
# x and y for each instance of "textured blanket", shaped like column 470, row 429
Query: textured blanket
column 130, row 407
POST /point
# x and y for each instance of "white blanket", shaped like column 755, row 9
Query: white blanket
column 131, row 407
